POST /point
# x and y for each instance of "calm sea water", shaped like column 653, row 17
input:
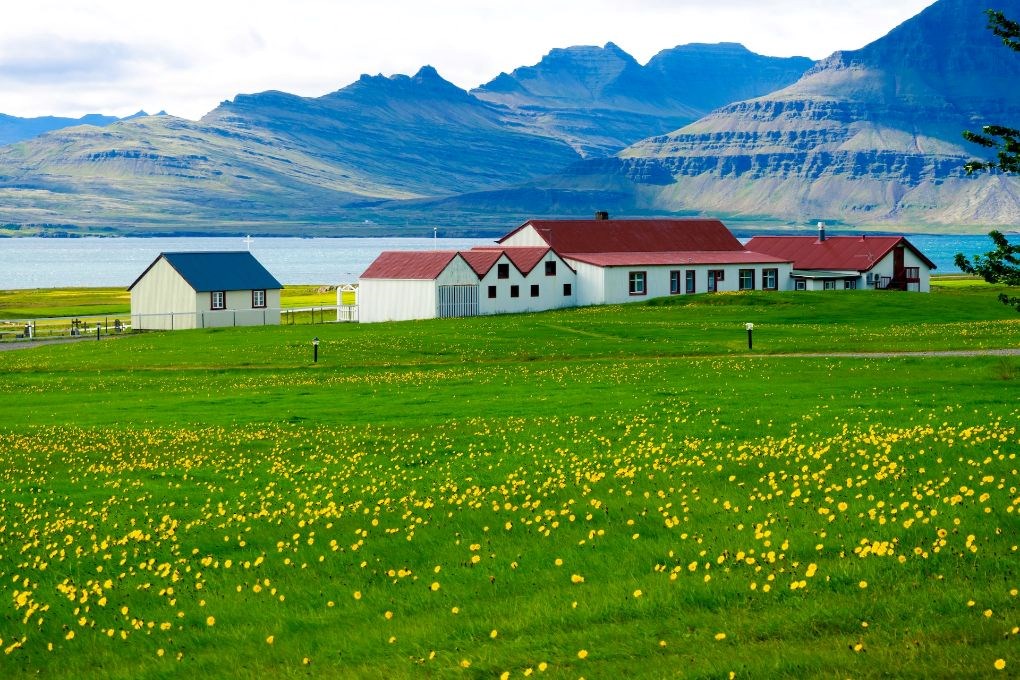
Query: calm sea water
column 90, row 262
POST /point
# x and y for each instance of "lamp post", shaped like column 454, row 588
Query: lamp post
column 315, row 350
column 750, row 331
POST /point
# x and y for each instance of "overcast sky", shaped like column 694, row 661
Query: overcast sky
column 72, row 57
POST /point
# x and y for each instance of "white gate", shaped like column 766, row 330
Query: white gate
column 457, row 301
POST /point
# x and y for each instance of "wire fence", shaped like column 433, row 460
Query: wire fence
column 104, row 325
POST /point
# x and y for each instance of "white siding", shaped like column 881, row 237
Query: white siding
column 162, row 300
column 884, row 267
column 591, row 283
column 550, row 288
column 527, row 236
column 239, row 311
column 611, row 285
column 396, row 299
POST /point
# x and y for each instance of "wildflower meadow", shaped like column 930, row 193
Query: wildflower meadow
column 582, row 493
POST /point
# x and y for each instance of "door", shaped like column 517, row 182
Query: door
column 712, row 283
column 457, row 301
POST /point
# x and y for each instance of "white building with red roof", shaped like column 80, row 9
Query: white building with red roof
column 849, row 262
column 403, row 285
column 627, row 260
column 548, row 264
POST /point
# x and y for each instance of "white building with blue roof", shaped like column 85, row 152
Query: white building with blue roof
column 204, row 290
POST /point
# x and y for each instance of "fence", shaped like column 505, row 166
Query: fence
column 99, row 325
column 64, row 327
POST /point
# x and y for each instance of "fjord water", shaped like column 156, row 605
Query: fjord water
column 99, row 262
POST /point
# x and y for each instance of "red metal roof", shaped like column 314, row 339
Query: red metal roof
column 524, row 258
column 480, row 260
column 687, row 257
column 406, row 264
column 857, row 253
column 633, row 236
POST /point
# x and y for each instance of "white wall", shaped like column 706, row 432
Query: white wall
column 396, row 299
column 550, row 288
column 884, row 267
column 611, row 285
column 160, row 293
column 527, row 236
column 239, row 311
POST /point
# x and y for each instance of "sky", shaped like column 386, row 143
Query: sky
column 73, row 57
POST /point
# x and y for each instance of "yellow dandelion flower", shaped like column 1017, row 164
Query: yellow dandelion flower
column 720, row 636
column 494, row 634
column 576, row 578
column 505, row 675
column 542, row 666
column 455, row 610
column 269, row 640
column 582, row 654
column 435, row 586
column 210, row 620
column 558, row 562
column 160, row 652
column 388, row 615
column 357, row 594
column 70, row 635
column 863, row 584
column 999, row 664
column 465, row 663
column 637, row 593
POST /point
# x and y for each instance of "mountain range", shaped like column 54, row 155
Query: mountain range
column 870, row 136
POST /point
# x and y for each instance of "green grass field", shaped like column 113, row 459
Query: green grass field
column 581, row 493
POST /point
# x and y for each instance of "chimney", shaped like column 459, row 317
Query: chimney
column 821, row 232
column 601, row 215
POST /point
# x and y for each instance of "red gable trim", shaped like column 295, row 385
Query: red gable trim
column 633, row 236
column 405, row 264
column 857, row 253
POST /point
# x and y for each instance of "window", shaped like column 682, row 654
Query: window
column 503, row 271
column 714, row 277
column 912, row 273
column 534, row 290
column 492, row 292
column 828, row 284
column 636, row 283
column 218, row 299
column 674, row 282
column 850, row 284
column 690, row 281
column 800, row 284
column 258, row 299
column 550, row 268
column 567, row 290
column 515, row 291
column 770, row 279
column 746, row 279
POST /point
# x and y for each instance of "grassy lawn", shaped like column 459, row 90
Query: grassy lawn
column 613, row 490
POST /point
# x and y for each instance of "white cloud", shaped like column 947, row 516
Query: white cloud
column 69, row 57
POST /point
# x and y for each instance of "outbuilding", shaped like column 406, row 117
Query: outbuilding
column 203, row 290
column 849, row 262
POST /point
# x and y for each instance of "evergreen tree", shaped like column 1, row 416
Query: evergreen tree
column 1005, row 139
column 1002, row 265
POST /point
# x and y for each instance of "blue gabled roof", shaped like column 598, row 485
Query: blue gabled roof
column 210, row 271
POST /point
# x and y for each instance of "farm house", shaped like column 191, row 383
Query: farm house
column 849, row 262
column 203, row 290
column 625, row 260
column 402, row 285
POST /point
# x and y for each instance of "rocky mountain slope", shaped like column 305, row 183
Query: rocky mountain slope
column 601, row 99
column 871, row 135
column 276, row 162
